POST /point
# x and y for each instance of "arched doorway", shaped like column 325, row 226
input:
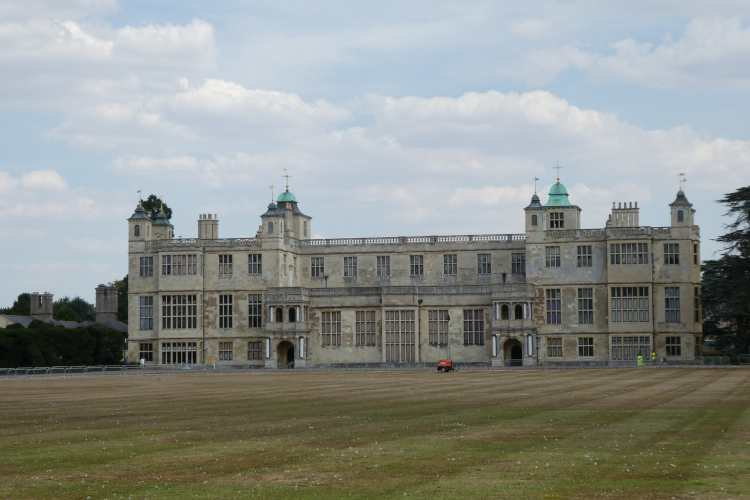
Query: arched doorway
column 285, row 355
column 513, row 352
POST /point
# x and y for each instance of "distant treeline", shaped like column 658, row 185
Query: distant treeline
column 43, row 344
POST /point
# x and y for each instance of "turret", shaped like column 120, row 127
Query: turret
column 106, row 303
column 681, row 211
column 272, row 222
column 139, row 225
column 623, row 215
column 559, row 214
column 534, row 214
column 41, row 306
column 161, row 227
column 208, row 227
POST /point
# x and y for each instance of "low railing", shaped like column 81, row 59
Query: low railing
column 404, row 240
column 194, row 242
column 613, row 232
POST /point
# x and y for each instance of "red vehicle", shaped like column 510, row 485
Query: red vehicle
column 446, row 365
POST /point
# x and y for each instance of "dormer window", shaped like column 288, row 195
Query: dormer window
column 137, row 230
column 556, row 220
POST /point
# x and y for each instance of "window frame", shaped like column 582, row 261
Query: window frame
column 416, row 265
column 518, row 263
column 450, row 264
column 553, row 303
column 255, row 263
column 484, row 263
column 383, row 265
column 225, row 264
column 226, row 308
column 584, row 254
column 585, row 347
column 317, row 267
column 585, row 305
column 554, row 347
column 350, row 267
column 552, row 256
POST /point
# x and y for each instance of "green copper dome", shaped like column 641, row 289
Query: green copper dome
column 161, row 220
column 558, row 196
column 286, row 196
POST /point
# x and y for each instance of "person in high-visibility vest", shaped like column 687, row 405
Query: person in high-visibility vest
column 653, row 355
column 640, row 359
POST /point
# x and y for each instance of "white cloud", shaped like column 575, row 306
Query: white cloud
column 712, row 52
column 44, row 180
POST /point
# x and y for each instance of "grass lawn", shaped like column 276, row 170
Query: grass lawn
column 471, row 435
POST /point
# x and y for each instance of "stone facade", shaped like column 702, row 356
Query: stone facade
column 554, row 294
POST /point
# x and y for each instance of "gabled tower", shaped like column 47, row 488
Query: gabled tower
column 681, row 211
column 559, row 214
column 139, row 225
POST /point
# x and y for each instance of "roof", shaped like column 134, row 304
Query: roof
column 535, row 203
column 273, row 210
column 286, row 196
column 24, row 321
column 681, row 199
column 558, row 196
column 140, row 213
column 161, row 220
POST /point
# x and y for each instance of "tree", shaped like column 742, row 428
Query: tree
column 726, row 281
column 153, row 206
column 22, row 305
column 122, row 298
column 66, row 313
column 79, row 307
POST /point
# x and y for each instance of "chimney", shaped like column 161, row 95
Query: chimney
column 106, row 303
column 41, row 306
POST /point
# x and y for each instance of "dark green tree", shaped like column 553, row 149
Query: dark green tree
column 77, row 305
column 122, row 299
column 153, row 205
column 726, row 281
column 66, row 313
column 22, row 305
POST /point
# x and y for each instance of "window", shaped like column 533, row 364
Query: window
column 146, row 313
column 137, row 230
column 697, row 300
column 316, row 267
column 484, row 263
column 554, row 298
column 304, row 229
column 254, row 350
column 176, row 353
column 225, row 265
column 504, row 312
column 628, row 253
column 673, row 346
column 695, row 254
column 585, row 346
column 399, row 336
column 518, row 263
column 672, row 304
column 179, row 265
column 556, row 220
column 437, row 326
column 226, row 351
column 671, row 253
column 255, row 263
column 627, row 348
column 384, row 266
column 270, row 228
column 534, row 220
column 450, row 264
column 225, row 311
column 146, row 350
column 518, row 312
column 365, row 326
column 255, row 310
column 166, row 265
column 179, row 311
column 330, row 328
column 584, row 255
column 554, row 347
column 417, row 265
column 629, row 304
column 350, row 267
column 680, row 216
column 553, row 256
column 147, row 266
column 585, row 305
column 473, row 327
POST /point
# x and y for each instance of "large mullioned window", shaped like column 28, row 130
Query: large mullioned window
column 554, row 306
column 630, row 304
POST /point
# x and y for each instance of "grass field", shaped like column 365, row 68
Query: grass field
column 508, row 434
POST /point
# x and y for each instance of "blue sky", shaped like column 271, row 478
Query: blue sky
column 394, row 118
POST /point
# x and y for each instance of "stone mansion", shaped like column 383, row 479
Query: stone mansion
column 554, row 294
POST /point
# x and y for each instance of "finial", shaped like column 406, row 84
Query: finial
column 161, row 202
column 558, row 167
column 287, row 179
column 140, row 199
column 271, row 186
column 535, row 179
column 681, row 175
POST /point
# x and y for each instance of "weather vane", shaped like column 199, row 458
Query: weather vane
column 535, row 179
column 558, row 167
column 287, row 179
column 161, row 202
column 681, row 175
column 271, row 186
column 140, row 198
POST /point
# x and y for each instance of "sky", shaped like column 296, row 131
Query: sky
column 393, row 118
